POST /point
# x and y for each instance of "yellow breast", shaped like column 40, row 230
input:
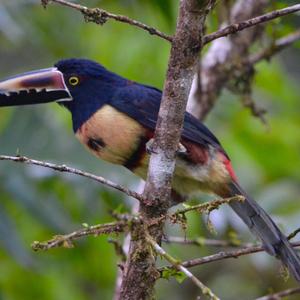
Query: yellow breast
column 111, row 135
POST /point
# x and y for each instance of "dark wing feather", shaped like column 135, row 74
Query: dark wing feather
column 142, row 102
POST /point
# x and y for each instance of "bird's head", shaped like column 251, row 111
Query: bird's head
column 69, row 81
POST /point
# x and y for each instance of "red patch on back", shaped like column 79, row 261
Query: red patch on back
column 228, row 166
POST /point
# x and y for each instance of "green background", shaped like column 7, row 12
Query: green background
column 37, row 203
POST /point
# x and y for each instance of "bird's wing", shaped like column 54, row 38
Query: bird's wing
column 142, row 102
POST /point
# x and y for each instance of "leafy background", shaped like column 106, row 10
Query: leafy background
column 36, row 204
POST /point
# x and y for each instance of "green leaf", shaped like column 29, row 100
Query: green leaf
column 167, row 273
column 180, row 277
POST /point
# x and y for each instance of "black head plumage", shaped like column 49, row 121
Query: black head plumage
column 80, row 66
column 91, row 86
column 87, row 68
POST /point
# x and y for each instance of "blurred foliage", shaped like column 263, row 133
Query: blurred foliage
column 36, row 203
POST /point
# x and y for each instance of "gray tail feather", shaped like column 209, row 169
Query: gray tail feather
column 259, row 222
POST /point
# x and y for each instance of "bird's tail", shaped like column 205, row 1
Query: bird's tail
column 259, row 222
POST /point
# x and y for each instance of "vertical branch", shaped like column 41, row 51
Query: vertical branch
column 140, row 273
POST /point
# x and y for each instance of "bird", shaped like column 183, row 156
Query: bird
column 115, row 119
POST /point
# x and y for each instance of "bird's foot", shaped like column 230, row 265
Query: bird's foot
column 181, row 149
column 150, row 147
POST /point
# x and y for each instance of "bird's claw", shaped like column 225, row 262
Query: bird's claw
column 149, row 147
column 181, row 149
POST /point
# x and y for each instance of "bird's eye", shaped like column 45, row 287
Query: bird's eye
column 73, row 80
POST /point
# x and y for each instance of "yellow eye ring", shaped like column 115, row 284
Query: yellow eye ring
column 73, row 80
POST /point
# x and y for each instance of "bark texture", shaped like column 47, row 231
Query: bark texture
column 223, row 57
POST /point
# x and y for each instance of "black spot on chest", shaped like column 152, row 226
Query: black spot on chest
column 96, row 144
column 138, row 154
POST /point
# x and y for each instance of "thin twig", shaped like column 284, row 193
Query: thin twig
column 176, row 264
column 67, row 239
column 66, row 169
column 101, row 16
column 209, row 206
column 248, row 249
column 277, row 46
column 256, row 111
column 228, row 254
column 293, row 234
column 233, row 28
column 280, row 295
column 205, row 242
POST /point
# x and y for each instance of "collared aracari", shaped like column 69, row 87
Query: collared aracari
column 115, row 118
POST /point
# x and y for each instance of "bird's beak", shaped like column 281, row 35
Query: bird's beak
column 35, row 87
